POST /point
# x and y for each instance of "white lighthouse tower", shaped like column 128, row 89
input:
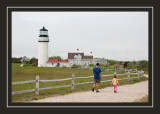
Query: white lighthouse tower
column 43, row 47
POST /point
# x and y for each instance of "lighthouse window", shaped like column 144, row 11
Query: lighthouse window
column 43, row 33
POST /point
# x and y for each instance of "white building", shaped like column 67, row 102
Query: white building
column 24, row 59
column 79, row 59
column 73, row 58
column 102, row 61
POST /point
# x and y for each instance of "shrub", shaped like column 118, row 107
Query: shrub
column 33, row 64
column 76, row 66
column 34, row 61
column 26, row 64
column 130, row 66
column 16, row 60
column 91, row 65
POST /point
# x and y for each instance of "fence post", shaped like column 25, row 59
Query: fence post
column 128, row 76
column 37, row 84
column 72, row 81
column 142, row 73
column 138, row 75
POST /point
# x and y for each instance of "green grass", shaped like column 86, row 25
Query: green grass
column 30, row 72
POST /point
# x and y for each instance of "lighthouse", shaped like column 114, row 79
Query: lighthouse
column 43, row 47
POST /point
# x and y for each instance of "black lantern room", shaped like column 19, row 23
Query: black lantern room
column 43, row 32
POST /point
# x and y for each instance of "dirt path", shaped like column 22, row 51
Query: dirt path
column 146, row 75
column 126, row 93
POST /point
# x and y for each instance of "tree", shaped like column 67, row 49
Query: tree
column 59, row 57
column 34, row 61
column 134, row 62
column 125, row 64
column 16, row 60
column 112, row 62
column 143, row 64
column 130, row 65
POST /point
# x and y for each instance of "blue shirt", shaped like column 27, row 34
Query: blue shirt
column 96, row 71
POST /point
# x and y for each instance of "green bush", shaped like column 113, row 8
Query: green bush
column 26, row 64
column 16, row 60
column 92, row 65
column 76, row 66
column 34, row 64
column 112, row 66
column 34, row 61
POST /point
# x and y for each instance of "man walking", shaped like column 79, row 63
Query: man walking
column 97, row 76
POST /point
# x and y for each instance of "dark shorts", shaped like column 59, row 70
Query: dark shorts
column 96, row 81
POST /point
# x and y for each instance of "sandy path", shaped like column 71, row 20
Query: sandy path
column 126, row 93
column 146, row 75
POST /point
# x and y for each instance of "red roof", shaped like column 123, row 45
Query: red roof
column 55, row 60
column 51, row 60
column 66, row 61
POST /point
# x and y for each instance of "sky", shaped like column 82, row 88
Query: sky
column 119, row 36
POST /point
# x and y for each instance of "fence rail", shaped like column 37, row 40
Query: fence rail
column 72, row 82
column 55, row 80
column 54, row 87
column 23, row 82
column 121, row 69
column 23, row 91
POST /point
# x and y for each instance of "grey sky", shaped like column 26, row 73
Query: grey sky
column 112, row 35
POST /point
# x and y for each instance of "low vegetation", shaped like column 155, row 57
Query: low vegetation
column 30, row 72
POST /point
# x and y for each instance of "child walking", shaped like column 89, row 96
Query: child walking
column 115, row 82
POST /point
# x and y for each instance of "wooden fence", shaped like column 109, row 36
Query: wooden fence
column 121, row 69
column 72, row 82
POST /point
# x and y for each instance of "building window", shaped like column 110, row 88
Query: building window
column 75, row 57
column 52, row 64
